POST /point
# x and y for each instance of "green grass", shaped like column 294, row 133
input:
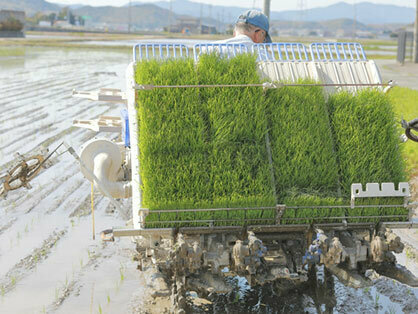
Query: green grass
column 12, row 51
column 382, row 57
column 405, row 105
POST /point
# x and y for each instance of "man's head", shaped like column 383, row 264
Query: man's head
column 255, row 25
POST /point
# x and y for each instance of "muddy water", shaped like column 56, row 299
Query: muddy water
column 48, row 260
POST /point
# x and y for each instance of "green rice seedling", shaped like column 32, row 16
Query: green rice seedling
column 305, row 165
column 367, row 144
column 203, row 149
column 206, row 148
column 301, row 141
column 236, row 118
column 378, row 211
column 295, row 197
column 366, row 139
column 172, row 139
column 12, row 51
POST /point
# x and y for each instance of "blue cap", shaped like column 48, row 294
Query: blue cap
column 258, row 19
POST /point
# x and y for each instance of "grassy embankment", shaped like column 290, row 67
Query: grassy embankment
column 405, row 105
column 12, row 51
column 206, row 148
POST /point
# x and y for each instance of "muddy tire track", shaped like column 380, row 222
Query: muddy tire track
column 7, row 225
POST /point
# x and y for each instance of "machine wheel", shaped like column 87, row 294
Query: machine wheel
column 23, row 172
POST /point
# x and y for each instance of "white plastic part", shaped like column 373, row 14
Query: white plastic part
column 387, row 189
column 327, row 72
column 102, row 124
column 104, row 159
column 137, row 217
column 103, row 94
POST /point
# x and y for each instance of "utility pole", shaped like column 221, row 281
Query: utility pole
column 266, row 8
column 416, row 35
column 169, row 17
column 201, row 17
column 302, row 10
column 355, row 20
column 129, row 17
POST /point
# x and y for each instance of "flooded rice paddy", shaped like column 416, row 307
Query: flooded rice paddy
column 49, row 262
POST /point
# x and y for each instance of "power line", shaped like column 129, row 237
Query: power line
column 416, row 35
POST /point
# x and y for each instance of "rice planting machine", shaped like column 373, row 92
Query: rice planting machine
column 200, row 258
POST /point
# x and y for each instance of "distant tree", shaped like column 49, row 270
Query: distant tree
column 11, row 24
column 81, row 21
column 63, row 14
column 71, row 18
column 52, row 17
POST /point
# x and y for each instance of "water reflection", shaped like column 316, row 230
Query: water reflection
column 279, row 297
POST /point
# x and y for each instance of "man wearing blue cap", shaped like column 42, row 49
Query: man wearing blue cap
column 251, row 27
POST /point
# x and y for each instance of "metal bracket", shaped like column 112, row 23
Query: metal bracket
column 102, row 124
column 391, row 84
column 279, row 212
column 103, row 94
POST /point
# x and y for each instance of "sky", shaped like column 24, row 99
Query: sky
column 276, row 5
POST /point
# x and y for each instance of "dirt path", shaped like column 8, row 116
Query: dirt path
column 404, row 75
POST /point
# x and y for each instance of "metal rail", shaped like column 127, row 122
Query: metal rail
column 337, row 52
column 170, row 232
column 271, row 52
column 211, row 221
column 160, row 211
column 155, row 218
column 263, row 85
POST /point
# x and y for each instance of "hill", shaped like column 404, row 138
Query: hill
column 29, row 6
column 324, row 25
column 146, row 16
column 157, row 15
column 364, row 12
